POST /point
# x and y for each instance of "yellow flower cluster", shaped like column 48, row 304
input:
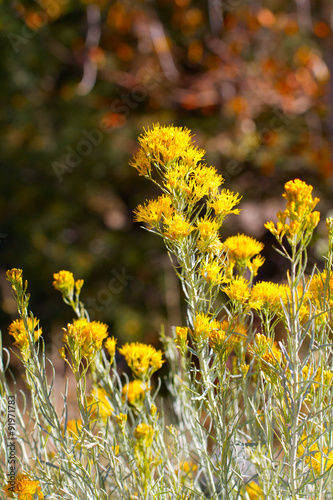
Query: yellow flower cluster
column 134, row 392
column 254, row 491
column 177, row 227
column 162, row 146
column 224, row 203
column 321, row 289
column 99, row 404
column 15, row 277
column 203, row 326
column 319, row 461
column 321, row 378
column 268, row 355
column 85, row 335
column 267, row 296
column 24, row 488
column 110, row 346
column 64, row 282
column 144, row 433
column 227, row 337
column 212, row 272
column 238, row 290
column 142, row 359
column 154, row 211
column 74, row 428
column 240, row 250
column 18, row 331
column 297, row 219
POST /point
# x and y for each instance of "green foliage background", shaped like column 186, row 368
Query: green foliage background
column 250, row 80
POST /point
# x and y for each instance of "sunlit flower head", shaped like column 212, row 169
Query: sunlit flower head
column 15, row 277
column 176, row 227
column 21, row 336
column 25, row 488
column 134, row 392
column 212, row 272
column 298, row 217
column 238, row 290
column 145, row 434
column 64, row 282
column 162, row 146
column 110, row 346
column 227, row 337
column 99, row 404
column 207, row 228
column 181, row 337
column 203, row 325
column 266, row 296
column 154, row 211
column 86, row 336
column 224, row 203
column 241, row 249
column 142, row 359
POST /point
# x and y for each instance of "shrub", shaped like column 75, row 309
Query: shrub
column 251, row 417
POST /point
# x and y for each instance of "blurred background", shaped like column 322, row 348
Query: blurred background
column 80, row 80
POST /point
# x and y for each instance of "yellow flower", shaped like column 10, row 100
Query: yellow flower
column 241, row 249
column 15, row 277
column 142, row 359
column 318, row 461
column 110, row 346
column 207, row 228
column 162, row 146
column 268, row 354
column 181, row 333
column 121, row 421
column 181, row 337
column 321, row 288
column 203, row 325
column 88, row 336
column 329, row 225
column 145, row 434
column 99, row 404
column 134, row 392
column 24, row 488
column 227, row 337
column 298, row 212
column 212, row 272
column 203, row 181
column 177, row 228
column 154, row 211
column 267, row 296
column 74, row 428
column 255, row 263
column 254, row 491
column 212, row 246
column 187, row 467
column 18, row 331
column 224, row 203
column 238, row 290
column 64, row 282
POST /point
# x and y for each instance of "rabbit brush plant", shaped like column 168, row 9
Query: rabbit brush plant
column 251, row 417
